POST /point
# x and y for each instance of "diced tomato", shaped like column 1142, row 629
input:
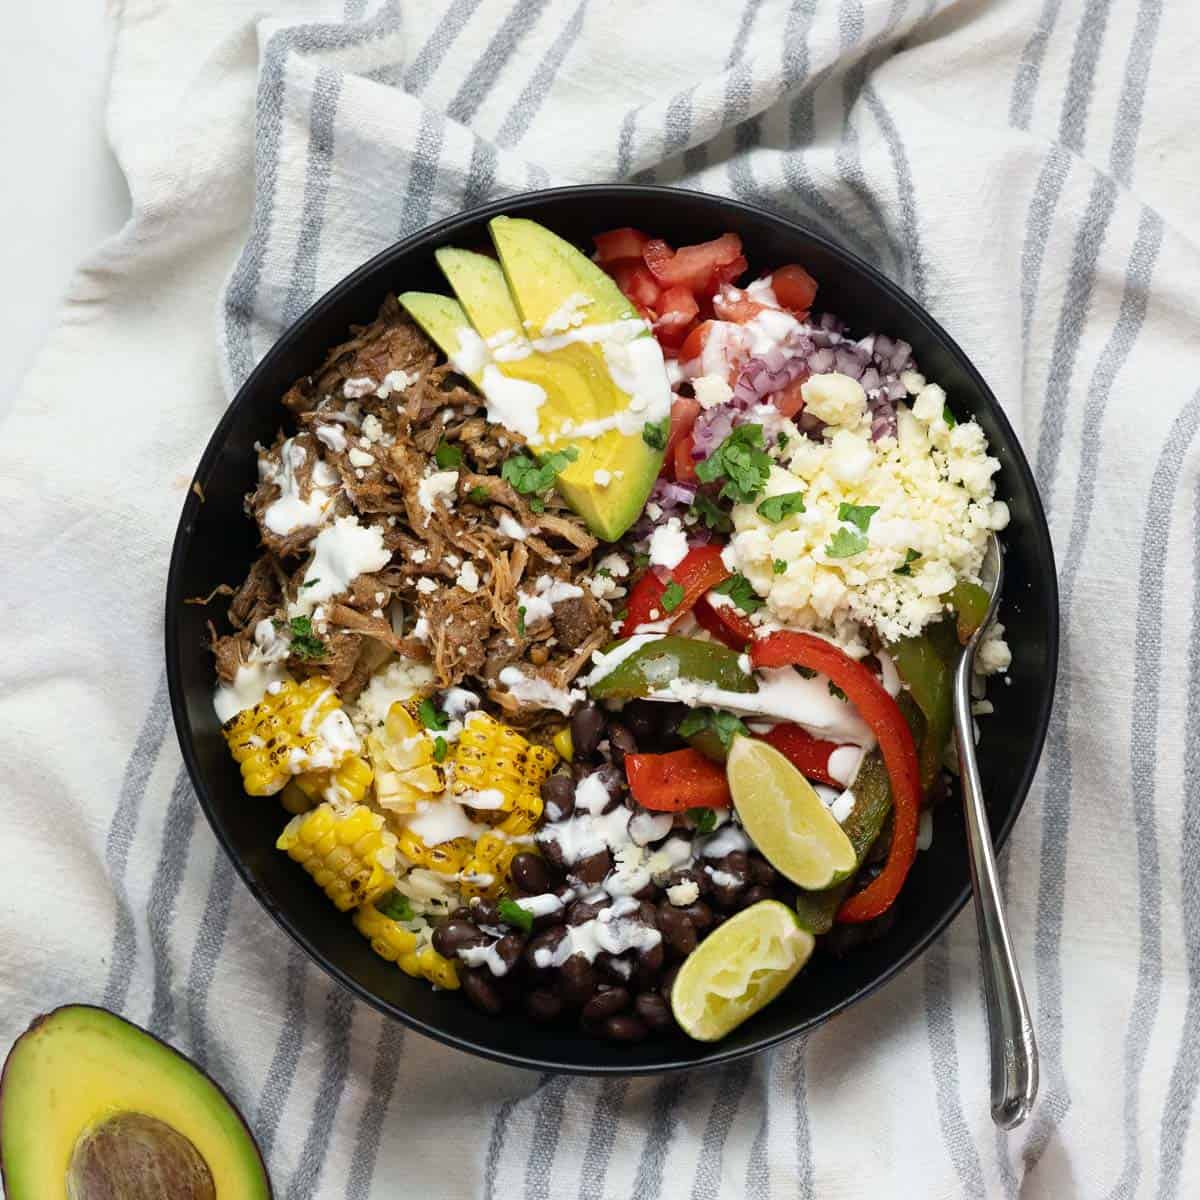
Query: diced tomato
column 732, row 304
column 725, row 623
column 636, row 283
column 794, row 288
column 685, row 466
column 789, row 400
column 809, row 755
column 677, row 310
column 684, row 411
column 729, row 272
column 619, row 244
column 692, row 267
column 701, row 569
column 676, row 781
column 693, row 345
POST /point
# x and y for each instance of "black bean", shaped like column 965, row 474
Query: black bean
column 587, row 728
column 576, row 981
column 699, row 914
column 648, row 912
column 668, row 981
column 678, row 931
column 558, row 791
column 620, row 743
column 583, row 911
column 736, row 862
column 761, row 871
column 604, row 1005
column 530, row 873
column 653, row 1010
column 690, row 875
column 509, row 948
column 652, row 956
column 484, row 911
column 547, row 939
column 480, row 990
column 727, row 895
column 593, row 868
column 752, row 895
column 625, row 1028
column 642, row 720
column 452, row 936
column 613, row 969
column 542, row 1004
column 462, row 913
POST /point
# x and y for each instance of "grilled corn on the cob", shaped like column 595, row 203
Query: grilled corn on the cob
column 492, row 758
column 348, row 852
column 298, row 728
column 403, row 756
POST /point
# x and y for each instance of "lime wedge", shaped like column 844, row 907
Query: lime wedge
column 739, row 968
column 792, row 829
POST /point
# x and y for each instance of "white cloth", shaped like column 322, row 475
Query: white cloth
column 1027, row 169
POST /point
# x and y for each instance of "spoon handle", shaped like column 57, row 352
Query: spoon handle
column 1013, row 1050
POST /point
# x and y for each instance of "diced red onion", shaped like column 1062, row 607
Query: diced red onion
column 883, row 418
column 763, row 377
column 820, row 362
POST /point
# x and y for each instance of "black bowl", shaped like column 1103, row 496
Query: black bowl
column 216, row 543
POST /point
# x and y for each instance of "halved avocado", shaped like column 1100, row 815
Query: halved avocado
column 93, row 1107
column 570, row 394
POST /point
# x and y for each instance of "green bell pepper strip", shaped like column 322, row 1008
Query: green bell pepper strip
column 815, row 911
column 970, row 603
column 926, row 664
column 650, row 668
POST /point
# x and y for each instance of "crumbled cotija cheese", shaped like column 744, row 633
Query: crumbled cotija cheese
column 934, row 492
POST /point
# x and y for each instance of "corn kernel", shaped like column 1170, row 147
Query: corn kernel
column 389, row 939
column 563, row 744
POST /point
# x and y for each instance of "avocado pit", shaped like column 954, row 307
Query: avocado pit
column 132, row 1156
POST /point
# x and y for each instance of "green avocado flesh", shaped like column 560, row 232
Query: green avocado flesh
column 93, row 1108
column 507, row 302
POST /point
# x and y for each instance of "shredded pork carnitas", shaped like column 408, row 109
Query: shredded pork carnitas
column 381, row 427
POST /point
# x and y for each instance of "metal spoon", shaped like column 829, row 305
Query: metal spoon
column 1013, row 1050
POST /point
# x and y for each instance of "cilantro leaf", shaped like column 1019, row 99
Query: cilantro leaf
column 724, row 724
column 641, row 561
column 741, row 591
column 857, row 514
column 654, row 433
column 521, row 621
column 430, row 717
column 775, row 508
column 672, row 597
column 478, row 495
column 511, row 913
column 834, row 690
column 779, row 566
column 704, row 820
column 845, row 543
column 396, row 906
column 528, row 475
column 741, row 461
column 305, row 642
column 447, row 456
column 910, row 557
column 536, row 504
column 781, row 440
column 439, row 749
column 715, row 517
column 948, row 416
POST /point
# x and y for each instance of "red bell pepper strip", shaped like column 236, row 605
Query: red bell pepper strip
column 700, row 570
column 724, row 622
column 809, row 755
column 887, row 722
column 675, row 781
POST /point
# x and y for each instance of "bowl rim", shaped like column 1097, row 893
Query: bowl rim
column 435, row 233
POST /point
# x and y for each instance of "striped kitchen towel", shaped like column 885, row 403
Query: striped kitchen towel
column 1026, row 168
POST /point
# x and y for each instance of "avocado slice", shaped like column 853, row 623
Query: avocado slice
column 89, row 1103
column 558, row 389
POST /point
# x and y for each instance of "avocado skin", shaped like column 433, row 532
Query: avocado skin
column 251, row 1182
